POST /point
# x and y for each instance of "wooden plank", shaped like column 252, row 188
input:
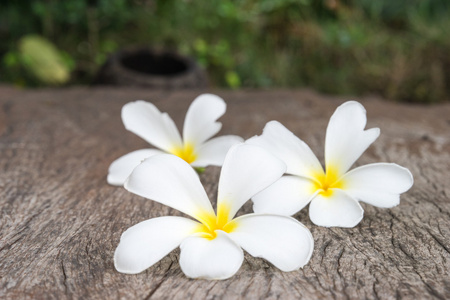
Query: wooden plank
column 60, row 221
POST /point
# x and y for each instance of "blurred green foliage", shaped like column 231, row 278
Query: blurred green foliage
column 399, row 49
column 42, row 60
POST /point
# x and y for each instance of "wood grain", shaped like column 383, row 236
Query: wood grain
column 60, row 222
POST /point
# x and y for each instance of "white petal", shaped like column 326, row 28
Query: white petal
column 145, row 243
column 378, row 184
column 200, row 122
column 285, row 197
column 219, row 258
column 121, row 168
column 145, row 120
column 247, row 170
column 338, row 210
column 346, row 139
column 169, row 180
column 297, row 155
column 283, row 241
column 213, row 152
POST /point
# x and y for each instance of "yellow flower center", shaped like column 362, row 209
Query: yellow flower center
column 186, row 152
column 211, row 223
column 325, row 183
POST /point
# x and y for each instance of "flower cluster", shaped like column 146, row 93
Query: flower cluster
column 212, row 243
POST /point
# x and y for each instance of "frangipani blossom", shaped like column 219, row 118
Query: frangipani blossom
column 334, row 193
column 158, row 129
column 211, row 245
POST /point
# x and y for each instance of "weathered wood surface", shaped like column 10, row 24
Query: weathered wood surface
column 60, row 222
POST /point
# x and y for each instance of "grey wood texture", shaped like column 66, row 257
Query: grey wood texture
column 60, row 222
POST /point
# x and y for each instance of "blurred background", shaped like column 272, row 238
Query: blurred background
column 397, row 49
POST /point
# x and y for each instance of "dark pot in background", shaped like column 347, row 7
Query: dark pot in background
column 145, row 67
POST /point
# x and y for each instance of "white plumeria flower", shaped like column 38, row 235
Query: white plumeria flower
column 146, row 121
column 333, row 194
column 211, row 246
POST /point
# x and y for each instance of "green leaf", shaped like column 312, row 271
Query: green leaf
column 199, row 170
